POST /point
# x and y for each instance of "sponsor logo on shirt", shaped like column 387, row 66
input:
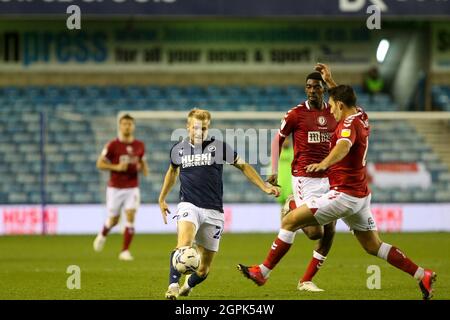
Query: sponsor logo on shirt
column 318, row 137
column 125, row 158
column 194, row 160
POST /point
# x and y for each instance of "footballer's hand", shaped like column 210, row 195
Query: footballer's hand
column 273, row 190
column 324, row 71
column 273, row 180
column 316, row 167
column 164, row 210
column 121, row 167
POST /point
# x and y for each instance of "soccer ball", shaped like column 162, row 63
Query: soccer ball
column 186, row 260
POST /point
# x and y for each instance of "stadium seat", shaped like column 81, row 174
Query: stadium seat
column 73, row 145
column 60, row 198
column 442, row 196
column 18, row 198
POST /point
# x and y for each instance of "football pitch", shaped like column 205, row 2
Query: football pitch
column 35, row 267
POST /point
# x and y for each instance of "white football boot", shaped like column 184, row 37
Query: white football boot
column 99, row 242
column 185, row 289
column 126, row 256
column 308, row 286
column 173, row 291
column 286, row 207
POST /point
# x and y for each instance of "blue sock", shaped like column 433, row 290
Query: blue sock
column 195, row 279
column 174, row 275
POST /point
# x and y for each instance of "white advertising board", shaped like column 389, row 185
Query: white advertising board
column 88, row 219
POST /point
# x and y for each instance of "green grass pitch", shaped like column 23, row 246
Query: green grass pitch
column 34, row 267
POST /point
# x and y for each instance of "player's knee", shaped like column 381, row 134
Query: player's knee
column 316, row 236
column 130, row 215
column 287, row 223
column 114, row 221
column 314, row 233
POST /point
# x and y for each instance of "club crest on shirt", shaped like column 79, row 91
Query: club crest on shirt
column 321, row 120
column 212, row 148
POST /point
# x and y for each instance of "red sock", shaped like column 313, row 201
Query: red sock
column 278, row 250
column 105, row 231
column 127, row 237
column 399, row 260
column 312, row 269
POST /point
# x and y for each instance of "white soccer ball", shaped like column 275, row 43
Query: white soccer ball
column 186, row 260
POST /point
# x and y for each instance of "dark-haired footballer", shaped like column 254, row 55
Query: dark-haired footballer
column 348, row 199
column 311, row 125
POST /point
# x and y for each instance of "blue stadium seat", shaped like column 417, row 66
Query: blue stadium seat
column 442, row 196
column 18, row 198
column 73, row 146
column 60, row 198
column 83, row 198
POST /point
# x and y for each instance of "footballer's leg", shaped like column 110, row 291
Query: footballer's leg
column 373, row 245
column 128, row 234
column 294, row 220
column 113, row 203
column 306, row 188
column 186, row 231
column 200, row 275
column 324, row 244
column 100, row 240
column 365, row 230
column 320, row 253
column 131, row 205
column 208, row 241
column 313, row 232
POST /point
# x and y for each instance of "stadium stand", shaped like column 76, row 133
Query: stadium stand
column 77, row 128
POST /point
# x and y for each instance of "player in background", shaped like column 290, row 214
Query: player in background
column 124, row 158
column 198, row 160
column 311, row 125
column 348, row 198
column 284, row 172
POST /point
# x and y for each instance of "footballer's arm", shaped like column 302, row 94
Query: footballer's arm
column 340, row 150
column 103, row 164
column 277, row 148
column 144, row 167
column 169, row 182
column 254, row 177
column 326, row 75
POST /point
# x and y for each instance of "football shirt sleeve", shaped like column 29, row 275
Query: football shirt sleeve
column 108, row 151
column 346, row 133
column 288, row 123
